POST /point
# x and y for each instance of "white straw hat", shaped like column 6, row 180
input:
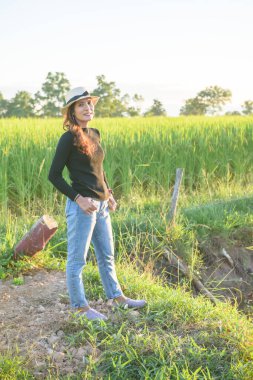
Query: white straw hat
column 75, row 94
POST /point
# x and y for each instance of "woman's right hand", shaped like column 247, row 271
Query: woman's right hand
column 86, row 204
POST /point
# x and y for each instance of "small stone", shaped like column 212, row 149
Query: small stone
column 52, row 339
column 20, row 339
column 58, row 356
column 61, row 306
column 73, row 351
column 68, row 370
column 41, row 365
column 133, row 314
column 38, row 277
column 22, row 300
column 50, row 351
column 41, row 309
column 80, row 352
column 89, row 349
column 60, row 333
column 99, row 301
column 38, row 375
column 43, row 343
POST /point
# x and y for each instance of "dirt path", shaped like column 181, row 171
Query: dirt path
column 32, row 319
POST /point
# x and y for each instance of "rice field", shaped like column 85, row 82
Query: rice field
column 179, row 336
column 142, row 155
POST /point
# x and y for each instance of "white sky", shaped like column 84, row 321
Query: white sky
column 165, row 49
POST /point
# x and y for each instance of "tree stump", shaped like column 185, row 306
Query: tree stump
column 38, row 236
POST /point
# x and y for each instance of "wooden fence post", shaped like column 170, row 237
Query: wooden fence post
column 174, row 199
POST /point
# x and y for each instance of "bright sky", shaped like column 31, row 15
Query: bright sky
column 165, row 49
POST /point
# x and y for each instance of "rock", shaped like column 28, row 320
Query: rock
column 41, row 309
column 43, row 343
column 38, row 277
column 68, row 370
column 73, row 351
column 60, row 333
column 80, row 353
column 133, row 314
column 50, row 351
column 52, row 339
column 58, row 356
column 39, row 375
column 38, row 320
column 28, row 277
column 22, row 300
column 89, row 349
column 100, row 301
column 41, row 365
column 20, row 339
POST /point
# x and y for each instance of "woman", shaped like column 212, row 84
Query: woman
column 89, row 200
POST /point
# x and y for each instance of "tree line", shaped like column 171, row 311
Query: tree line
column 48, row 101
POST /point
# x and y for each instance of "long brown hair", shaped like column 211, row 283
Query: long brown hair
column 83, row 143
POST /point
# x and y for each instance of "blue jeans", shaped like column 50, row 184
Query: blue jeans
column 81, row 230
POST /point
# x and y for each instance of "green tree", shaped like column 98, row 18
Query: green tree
column 248, row 107
column 156, row 109
column 135, row 108
column 3, row 105
column 214, row 97
column 50, row 100
column 232, row 113
column 22, row 105
column 132, row 105
column 111, row 103
column 193, row 106
column 208, row 101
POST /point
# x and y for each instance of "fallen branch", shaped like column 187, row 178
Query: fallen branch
column 228, row 257
column 176, row 262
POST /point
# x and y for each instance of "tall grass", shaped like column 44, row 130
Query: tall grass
column 142, row 155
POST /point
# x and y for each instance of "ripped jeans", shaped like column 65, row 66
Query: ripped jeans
column 81, row 230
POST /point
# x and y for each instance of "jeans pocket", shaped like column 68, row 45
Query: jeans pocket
column 106, row 205
column 67, row 207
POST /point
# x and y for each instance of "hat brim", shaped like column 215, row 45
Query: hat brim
column 94, row 100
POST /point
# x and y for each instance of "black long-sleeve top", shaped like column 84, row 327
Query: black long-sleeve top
column 86, row 173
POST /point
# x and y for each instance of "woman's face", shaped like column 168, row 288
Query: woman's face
column 84, row 110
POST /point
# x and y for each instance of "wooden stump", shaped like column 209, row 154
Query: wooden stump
column 36, row 239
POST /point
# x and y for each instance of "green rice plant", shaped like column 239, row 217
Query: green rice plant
column 142, row 155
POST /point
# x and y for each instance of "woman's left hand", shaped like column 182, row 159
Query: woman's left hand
column 112, row 203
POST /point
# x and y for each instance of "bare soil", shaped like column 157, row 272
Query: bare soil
column 33, row 317
column 228, row 271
